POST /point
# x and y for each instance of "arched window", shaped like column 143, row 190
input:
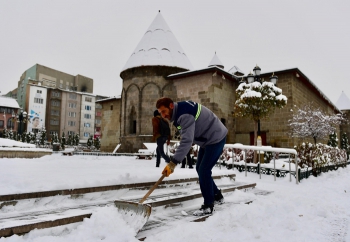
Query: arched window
column 10, row 124
column 133, row 120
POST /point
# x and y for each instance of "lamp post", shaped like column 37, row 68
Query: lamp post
column 21, row 117
column 256, row 78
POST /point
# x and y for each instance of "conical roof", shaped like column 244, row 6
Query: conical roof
column 236, row 71
column 216, row 62
column 343, row 102
column 158, row 47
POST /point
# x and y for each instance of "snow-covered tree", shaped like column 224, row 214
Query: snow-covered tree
column 10, row 134
column 28, row 137
column 90, row 142
column 23, row 137
column 97, row 143
column 5, row 133
column 333, row 140
column 312, row 122
column 43, row 136
column 344, row 144
column 69, row 140
column 63, row 141
column 76, row 139
column 257, row 101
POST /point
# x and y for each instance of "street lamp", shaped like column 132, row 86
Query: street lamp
column 256, row 77
column 21, row 117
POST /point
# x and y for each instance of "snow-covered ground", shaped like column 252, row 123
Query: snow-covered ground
column 317, row 209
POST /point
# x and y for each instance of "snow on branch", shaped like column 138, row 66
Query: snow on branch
column 312, row 122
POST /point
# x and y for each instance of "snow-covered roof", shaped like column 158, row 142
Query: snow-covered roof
column 158, row 47
column 207, row 69
column 235, row 70
column 8, row 102
column 108, row 99
column 343, row 102
column 215, row 61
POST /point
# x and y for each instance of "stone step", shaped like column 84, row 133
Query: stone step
column 77, row 191
column 27, row 222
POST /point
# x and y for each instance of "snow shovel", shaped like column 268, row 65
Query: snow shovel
column 137, row 214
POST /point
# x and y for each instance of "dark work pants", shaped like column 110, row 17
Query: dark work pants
column 207, row 157
column 160, row 150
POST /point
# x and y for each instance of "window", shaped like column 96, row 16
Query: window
column 55, row 94
column 39, row 91
column 72, row 114
column 72, row 105
column 38, row 100
column 10, row 124
column 55, row 112
column 71, row 133
column 1, row 123
column 87, row 125
column 54, row 122
column 87, row 116
column 111, row 107
column 98, row 114
column 72, row 96
column 86, row 134
column 71, row 123
column 98, row 121
column 55, row 103
column 87, row 107
column 98, row 106
column 88, row 99
column 52, row 132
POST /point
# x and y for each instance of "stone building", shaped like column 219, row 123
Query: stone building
column 159, row 67
column 110, row 123
column 343, row 104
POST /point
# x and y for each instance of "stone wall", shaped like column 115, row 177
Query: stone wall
column 212, row 90
column 23, row 154
column 294, row 86
column 110, row 124
column 142, row 87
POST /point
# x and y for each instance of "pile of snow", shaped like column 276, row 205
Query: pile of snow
column 12, row 143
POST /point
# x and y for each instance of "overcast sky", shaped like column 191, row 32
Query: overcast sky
column 96, row 38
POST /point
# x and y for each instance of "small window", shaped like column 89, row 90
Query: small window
column 38, row 100
column 1, row 123
column 111, row 107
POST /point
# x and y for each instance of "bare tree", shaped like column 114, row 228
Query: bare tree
column 310, row 121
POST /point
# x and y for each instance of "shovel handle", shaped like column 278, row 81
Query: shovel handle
column 152, row 189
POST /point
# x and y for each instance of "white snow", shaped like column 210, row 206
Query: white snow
column 158, row 47
column 8, row 102
column 343, row 102
column 215, row 61
column 317, row 209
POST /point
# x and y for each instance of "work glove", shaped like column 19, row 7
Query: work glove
column 169, row 168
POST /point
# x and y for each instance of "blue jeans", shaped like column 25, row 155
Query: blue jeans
column 160, row 149
column 207, row 157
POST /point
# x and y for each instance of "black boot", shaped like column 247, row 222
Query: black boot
column 218, row 198
column 204, row 210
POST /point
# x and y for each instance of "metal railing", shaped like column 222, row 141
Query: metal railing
column 269, row 149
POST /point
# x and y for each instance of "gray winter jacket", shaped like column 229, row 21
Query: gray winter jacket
column 206, row 130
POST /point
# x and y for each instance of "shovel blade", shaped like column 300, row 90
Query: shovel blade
column 135, row 214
